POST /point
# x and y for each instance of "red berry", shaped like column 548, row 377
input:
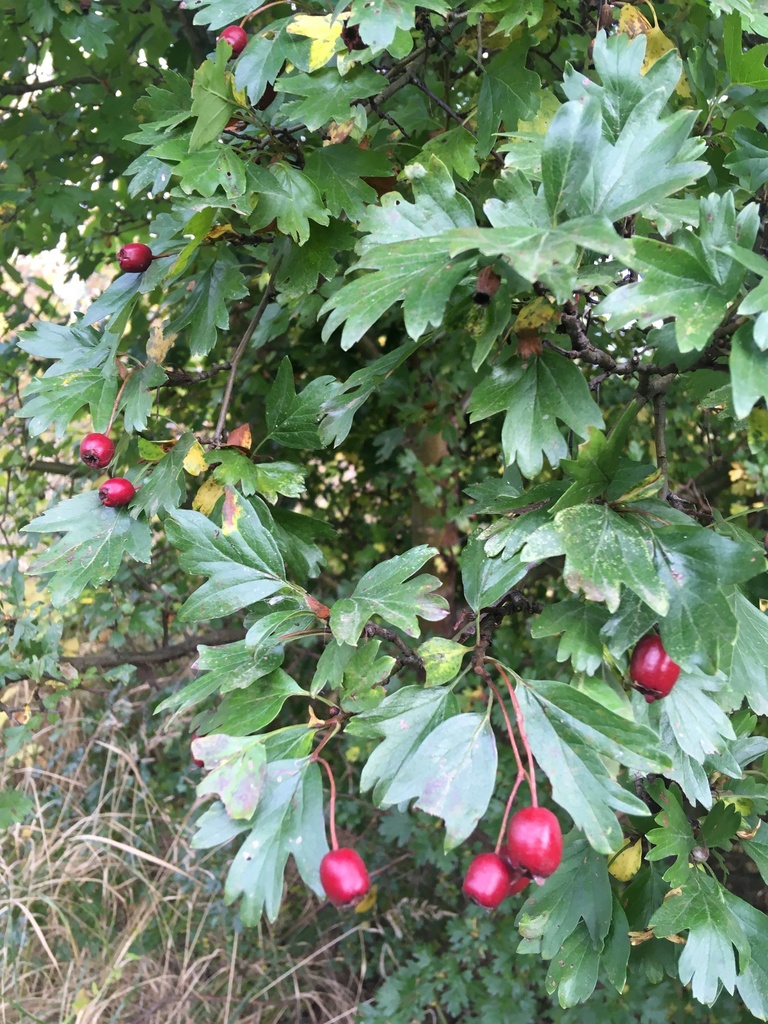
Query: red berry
column 236, row 37
column 651, row 669
column 518, row 884
column 344, row 876
column 97, row 450
column 117, row 491
column 487, row 880
column 135, row 257
column 517, row 878
column 535, row 842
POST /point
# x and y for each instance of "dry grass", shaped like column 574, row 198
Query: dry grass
column 107, row 916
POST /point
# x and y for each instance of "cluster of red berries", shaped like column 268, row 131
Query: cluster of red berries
column 97, row 450
column 533, row 851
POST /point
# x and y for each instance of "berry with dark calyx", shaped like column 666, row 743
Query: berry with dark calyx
column 487, row 880
column 487, row 285
column 236, row 37
column 344, row 876
column 135, row 258
column 115, row 492
column 651, row 669
column 535, row 842
column 97, row 450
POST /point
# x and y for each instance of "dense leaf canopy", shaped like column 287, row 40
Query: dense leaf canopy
column 445, row 386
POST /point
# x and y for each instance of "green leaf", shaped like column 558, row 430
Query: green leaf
column 92, row 548
column 752, row 980
column 387, row 592
column 292, row 419
column 289, row 819
column 744, row 67
column 442, row 659
column 236, row 771
column 570, row 148
column 269, row 479
column 260, row 62
column 452, row 775
column 14, row 806
column 534, row 399
column 456, row 149
column 579, row 890
column 288, row 196
column 749, row 160
column 674, row 283
column 508, row 94
column 605, row 551
column 674, row 837
column 580, row 623
column 57, row 401
column 364, row 674
column 747, row 659
column 570, row 734
column 707, row 960
column 206, row 312
column 403, row 720
column 339, row 411
column 326, row 96
column 749, row 371
column 139, row 394
column 207, row 170
column 491, row 563
column 573, row 972
column 240, row 558
column 338, row 173
column 378, row 25
column 165, row 488
column 212, row 99
column 246, row 711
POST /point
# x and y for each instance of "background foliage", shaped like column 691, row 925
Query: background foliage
column 453, row 350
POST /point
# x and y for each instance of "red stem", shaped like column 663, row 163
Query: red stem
column 332, row 804
column 507, row 809
column 523, row 736
column 510, row 731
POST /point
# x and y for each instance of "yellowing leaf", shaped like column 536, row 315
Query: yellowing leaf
column 194, row 462
column 368, row 901
column 159, row 343
column 632, row 23
column 539, row 314
column 207, row 496
column 322, row 31
column 626, row 863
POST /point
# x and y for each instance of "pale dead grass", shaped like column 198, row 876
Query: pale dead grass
column 108, row 917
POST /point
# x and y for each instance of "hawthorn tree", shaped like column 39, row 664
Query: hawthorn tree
column 436, row 376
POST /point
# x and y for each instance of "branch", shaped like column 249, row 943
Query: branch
column 21, row 88
column 227, row 398
column 660, row 439
column 56, row 468
column 113, row 659
column 177, row 378
column 407, row 656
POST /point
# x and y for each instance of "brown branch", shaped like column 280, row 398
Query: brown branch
column 56, row 468
column 407, row 656
column 112, row 659
column 178, row 378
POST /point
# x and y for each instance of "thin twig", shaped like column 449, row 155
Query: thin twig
column 255, row 319
column 521, row 731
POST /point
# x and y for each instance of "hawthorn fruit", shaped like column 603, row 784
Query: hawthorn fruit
column 236, row 37
column 488, row 880
column 135, row 258
column 344, row 876
column 97, row 450
column 535, row 842
column 651, row 669
column 115, row 492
